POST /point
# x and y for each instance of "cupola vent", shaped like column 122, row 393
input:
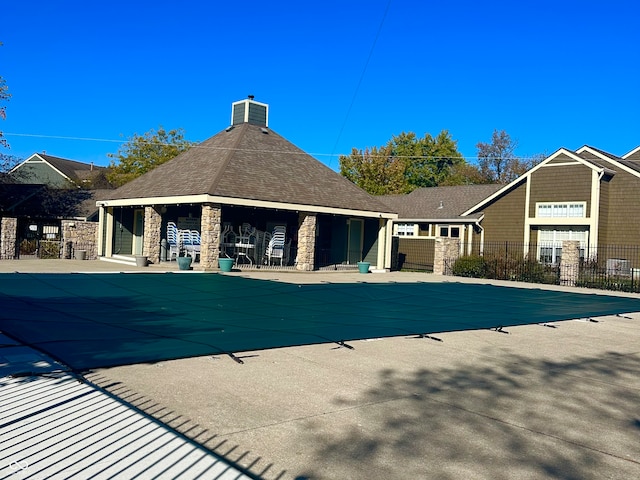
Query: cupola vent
column 250, row 111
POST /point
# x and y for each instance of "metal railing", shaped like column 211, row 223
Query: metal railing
column 607, row 267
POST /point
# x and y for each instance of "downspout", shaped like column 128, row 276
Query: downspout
column 596, row 217
column 477, row 224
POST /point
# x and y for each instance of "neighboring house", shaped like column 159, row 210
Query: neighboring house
column 428, row 213
column 586, row 195
column 38, row 195
column 247, row 176
column 437, row 211
column 56, row 172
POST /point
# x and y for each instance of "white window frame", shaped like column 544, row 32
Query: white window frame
column 405, row 229
column 549, row 249
column 561, row 209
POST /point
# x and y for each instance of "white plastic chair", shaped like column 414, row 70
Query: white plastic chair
column 276, row 246
column 173, row 240
column 195, row 244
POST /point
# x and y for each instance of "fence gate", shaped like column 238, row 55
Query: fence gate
column 39, row 239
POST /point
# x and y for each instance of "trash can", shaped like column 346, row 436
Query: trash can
column 81, row 255
column 141, row 261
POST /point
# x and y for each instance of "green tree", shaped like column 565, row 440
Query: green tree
column 405, row 163
column 429, row 160
column 375, row 170
column 142, row 153
column 463, row 174
column 498, row 162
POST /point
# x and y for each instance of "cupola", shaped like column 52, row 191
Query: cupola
column 250, row 111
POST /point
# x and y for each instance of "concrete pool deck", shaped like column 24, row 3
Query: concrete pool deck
column 555, row 401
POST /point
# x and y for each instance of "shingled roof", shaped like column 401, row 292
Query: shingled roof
column 439, row 202
column 251, row 162
column 72, row 169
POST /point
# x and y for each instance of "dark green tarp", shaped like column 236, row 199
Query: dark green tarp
column 99, row 320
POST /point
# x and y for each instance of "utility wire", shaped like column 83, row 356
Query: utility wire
column 251, row 150
column 364, row 70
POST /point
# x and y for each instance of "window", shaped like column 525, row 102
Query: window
column 449, row 231
column 550, row 244
column 561, row 210
column 406, row 229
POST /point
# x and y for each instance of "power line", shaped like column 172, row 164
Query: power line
column 364, row 69
column 250, row 150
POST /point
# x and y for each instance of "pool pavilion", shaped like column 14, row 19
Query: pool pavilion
column 232, row 193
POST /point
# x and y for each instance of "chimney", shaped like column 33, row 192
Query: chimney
column 250, row 111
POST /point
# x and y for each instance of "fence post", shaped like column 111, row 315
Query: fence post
column 447, row 250
column 570, row 262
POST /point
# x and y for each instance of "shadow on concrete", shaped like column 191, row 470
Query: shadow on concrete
column 521, row 418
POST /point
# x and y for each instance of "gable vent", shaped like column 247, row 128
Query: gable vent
column 250, row 111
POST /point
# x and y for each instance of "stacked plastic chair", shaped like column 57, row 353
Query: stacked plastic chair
column 276, row 246
column 173, row 240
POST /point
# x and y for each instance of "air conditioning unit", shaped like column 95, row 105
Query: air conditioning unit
column 618, row 266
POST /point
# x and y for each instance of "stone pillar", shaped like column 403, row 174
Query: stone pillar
column 210, row 230
column 79, row 235
column 447, row 251
column 305, row 258
column 570, row 263
column 8, row 238
column 152, row 232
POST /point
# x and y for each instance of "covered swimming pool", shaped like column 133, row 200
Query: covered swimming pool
column 102, row 320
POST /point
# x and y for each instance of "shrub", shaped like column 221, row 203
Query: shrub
column 470, row 266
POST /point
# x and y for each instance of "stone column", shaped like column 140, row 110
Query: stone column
column 8, row 238
column 305, row 258
column 210, row 229
column 447, row 251
column 152, row 229
column 570, row 263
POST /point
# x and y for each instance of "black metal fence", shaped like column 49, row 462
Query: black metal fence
column 609, row 267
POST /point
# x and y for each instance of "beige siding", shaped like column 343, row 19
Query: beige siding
column 569, row 183
column 561, row 158
column 620, row 224
column 504, row 217
column 414, row 253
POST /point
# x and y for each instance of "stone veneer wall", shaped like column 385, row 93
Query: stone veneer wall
column 8, row 238
column 79, row 235
column 151, row 238
column 305, row 259
column 210, row 235
column 446, row 251
column 570, row 262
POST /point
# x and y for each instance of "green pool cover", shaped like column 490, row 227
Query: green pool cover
column 100, row 320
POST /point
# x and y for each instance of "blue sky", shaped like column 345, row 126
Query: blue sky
column 336, row 74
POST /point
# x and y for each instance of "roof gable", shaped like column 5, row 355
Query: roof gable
column 633, row 155
column 561, row 157
column 69, row 170
column 597, row 156
column 248, row 161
